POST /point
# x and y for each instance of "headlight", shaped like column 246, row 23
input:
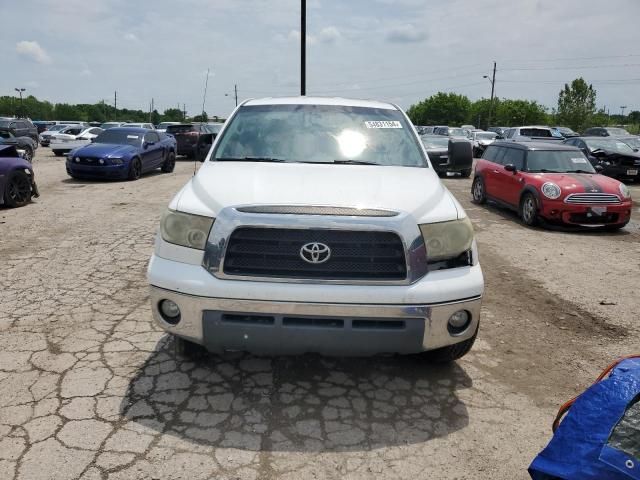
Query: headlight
column 624, row 191
column 551, row 190
column 185, row 229
column 116, row 161
column 447, row 239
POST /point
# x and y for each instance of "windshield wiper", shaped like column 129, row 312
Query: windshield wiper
column 354, row 162
column 579, row 171
column 249, row 159
column 543, row 170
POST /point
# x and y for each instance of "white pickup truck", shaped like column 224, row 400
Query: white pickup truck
column 317, row 225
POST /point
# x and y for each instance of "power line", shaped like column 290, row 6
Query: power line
column 577, row 67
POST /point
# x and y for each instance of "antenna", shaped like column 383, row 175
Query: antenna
column 204, row 97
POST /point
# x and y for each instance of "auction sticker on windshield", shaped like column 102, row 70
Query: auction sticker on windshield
column 383, row 124
column 579, row 160
column 133, row 136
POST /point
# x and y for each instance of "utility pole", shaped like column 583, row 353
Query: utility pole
column 622, row 109
column 493, row 86
column 184, row 111
column 235, row 88
column 303, row 48
column 115, row 105
column 204, row 97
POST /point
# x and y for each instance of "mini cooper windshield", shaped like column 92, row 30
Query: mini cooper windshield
column 320, row 134
column 564, row 161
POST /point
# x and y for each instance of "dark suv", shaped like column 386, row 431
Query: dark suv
column 20, row 128
column 191, row 137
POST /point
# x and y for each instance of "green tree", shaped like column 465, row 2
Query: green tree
column 576, row 104
column 155, row 117
column 172, row 115
column 65, row 111
column 441, row 109
column 509, row 113
column 201, row 118
column 479, row 112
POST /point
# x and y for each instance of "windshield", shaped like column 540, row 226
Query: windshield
column 558, row 161
column 320, row 134
column 486, row 136
column 109, row 125
column 633, row 142
column 433, row 142
column 457, row 132
column 617, row 131
column 164, row 125
column 119, row 137
column 609, row 144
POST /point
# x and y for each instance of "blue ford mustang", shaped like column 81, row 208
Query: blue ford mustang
column 119, row 153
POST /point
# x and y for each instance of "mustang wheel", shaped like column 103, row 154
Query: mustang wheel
column 529, row 210
column 135, row 170
column 18, row 189
column 28, row 153
column 169, row 163
column 477, row 190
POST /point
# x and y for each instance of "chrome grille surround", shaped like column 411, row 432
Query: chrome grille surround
column 317, row 210
column 588, row 198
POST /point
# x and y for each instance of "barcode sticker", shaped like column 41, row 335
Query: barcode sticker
column 383, row 124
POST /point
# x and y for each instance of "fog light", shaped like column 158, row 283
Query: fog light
column 169, row 311
column 458, row 322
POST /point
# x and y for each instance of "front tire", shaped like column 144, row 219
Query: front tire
column 615, row 227
column 18, row 189
column 529, row 210
column 187, row 349
column 58, row 153
column 135, row 169
column 477, row 191
column 466, row 173
column 169, row 163
column 452, row 352
column 28, row 153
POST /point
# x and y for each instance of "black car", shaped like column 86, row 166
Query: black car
column 42, row 125
column 20, row 127
column 605, row 132
column 26, row 144
column 192, row 138
column 615, row 157
column 449, row 154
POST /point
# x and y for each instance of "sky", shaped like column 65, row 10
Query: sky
column 80, row 51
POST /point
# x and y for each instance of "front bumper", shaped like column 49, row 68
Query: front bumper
column 97, row 171
column 348, row 320
column 586, row 215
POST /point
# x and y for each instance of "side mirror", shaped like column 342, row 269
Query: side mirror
column 599, row 168
column 510, row 167
column 499, row 137
column 145, row 145
column 93, row 140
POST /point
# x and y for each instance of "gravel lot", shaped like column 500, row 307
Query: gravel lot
column 92, row 390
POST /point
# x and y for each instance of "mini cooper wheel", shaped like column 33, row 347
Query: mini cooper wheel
column 135, row 170
column 529, row 210
column 169, row 163
column 18, row 189
column 477, row 191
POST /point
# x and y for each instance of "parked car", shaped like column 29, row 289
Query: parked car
column 332, row 234
column 615, row 157
column 162, row 126
column 188, row 137
column 150, row 126
column 17, row 181
column 552, row 182
column 121, row 152
column 71, row 122
column 20, row 127
column 45, row 137
column 72, row 137
column 108, row 125
column 606, row 132
column 42, row 125
column 566, row 132
column 499, row 130
column 26, row 146
column 633, row 141
column 534, row 132
column 448, row 154
column 451, row 132
column 481, row 140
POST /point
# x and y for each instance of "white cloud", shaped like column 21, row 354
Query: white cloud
column 131, row 37
column 407, row 33
column 86, row 72
column 329, row 35
column 33, row 51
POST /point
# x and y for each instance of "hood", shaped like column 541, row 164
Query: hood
column 581, row 182
column 417, row 191
column 104, row 150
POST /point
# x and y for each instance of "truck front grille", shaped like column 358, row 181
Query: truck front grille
column 276, row 252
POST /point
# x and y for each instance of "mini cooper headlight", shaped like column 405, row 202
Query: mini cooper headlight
column 447, row 239
column 551, row 190
column 624, row 190
column 185, row 229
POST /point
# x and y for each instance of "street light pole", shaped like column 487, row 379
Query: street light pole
column 235, row 89
column 622, row 109
column 303, row 48
column 492, row 80
column 20, row 90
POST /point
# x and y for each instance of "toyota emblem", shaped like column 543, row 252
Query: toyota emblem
column 315, row 252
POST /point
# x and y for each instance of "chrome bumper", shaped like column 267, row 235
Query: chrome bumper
column 433, row 318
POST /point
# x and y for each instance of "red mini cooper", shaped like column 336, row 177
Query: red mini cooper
column 551, row 182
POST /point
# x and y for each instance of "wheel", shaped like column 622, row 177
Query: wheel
column 529, row 210
column 615, row 227
column 442, row 174
column 135, row 169
column 28, row 153
column 58, row 153
column 477, row 191
column 187, row 349
column 18, row 189
column 451, row 352
column 466, row 173
column 169, row 163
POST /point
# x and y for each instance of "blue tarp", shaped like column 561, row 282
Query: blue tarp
column 586, row 446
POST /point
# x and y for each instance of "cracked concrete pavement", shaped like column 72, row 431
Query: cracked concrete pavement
column 91, row 389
